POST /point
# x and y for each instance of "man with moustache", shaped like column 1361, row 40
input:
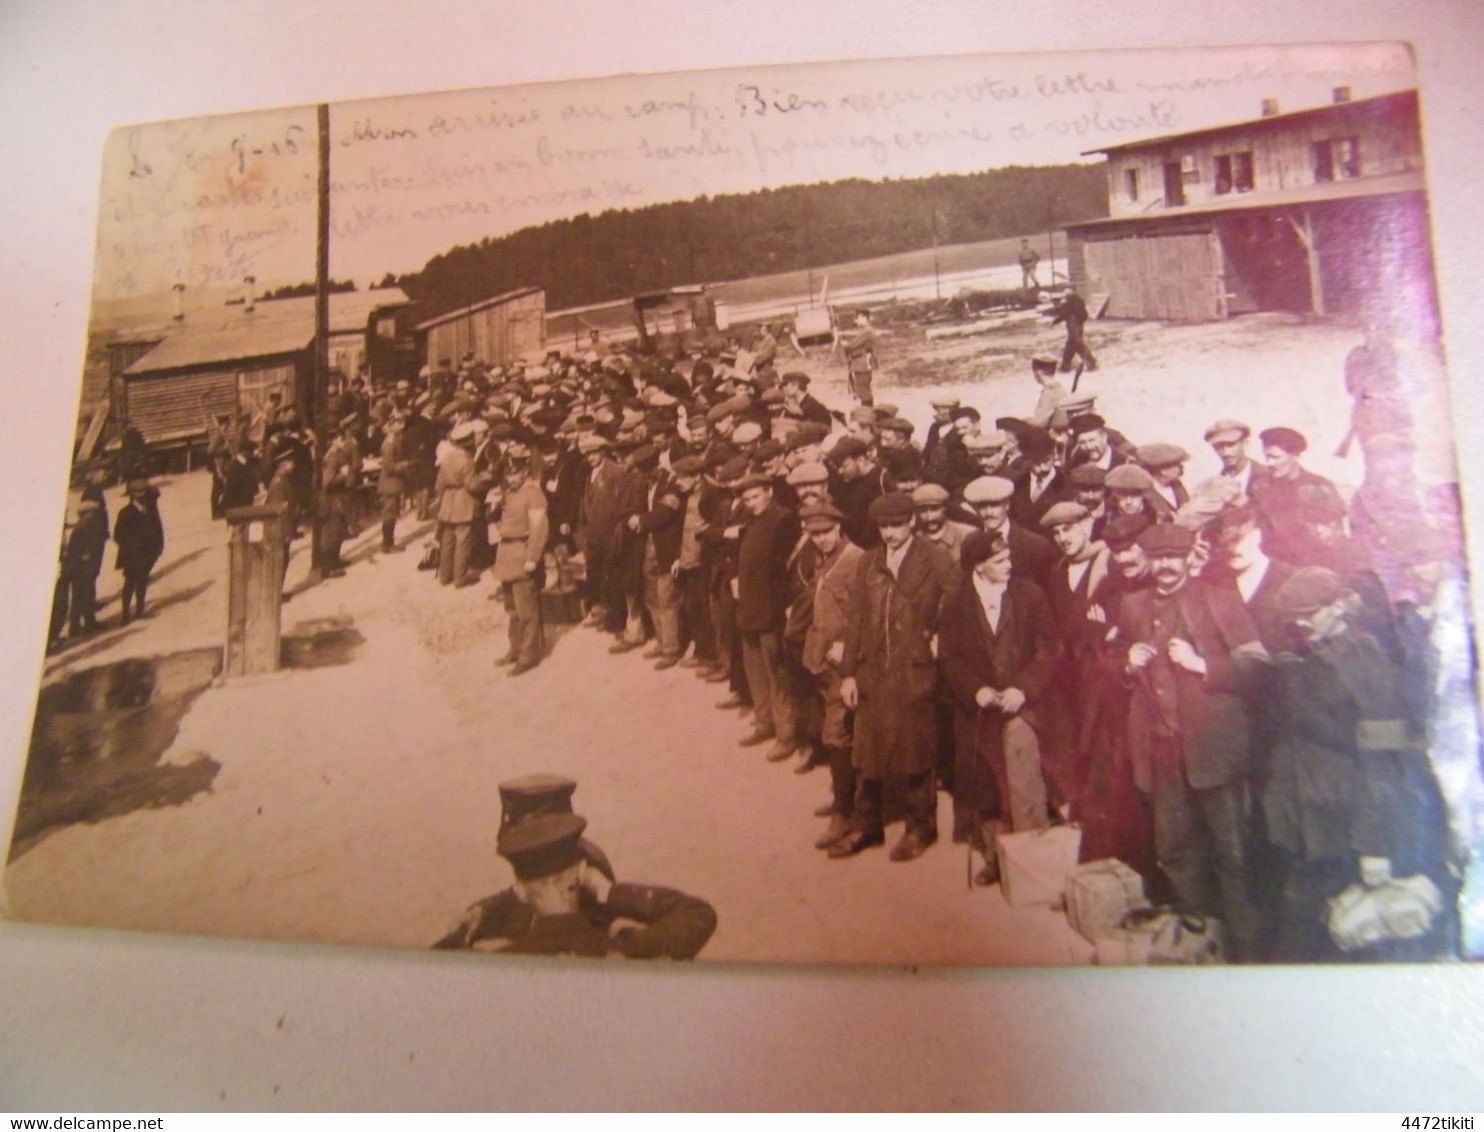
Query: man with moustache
column 889, row 677
column 1031, row 554
column 933, row 523
column 1191, row 654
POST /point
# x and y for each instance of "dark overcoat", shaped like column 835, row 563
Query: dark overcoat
column 140, row 537
column 1021, row 653
column 1209, row 711
column 889, row 652
column 762, row 570
column 1344, row 779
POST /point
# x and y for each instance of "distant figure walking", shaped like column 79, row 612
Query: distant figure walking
column 1073, row 311
column 141, row 540
column 1029, row 260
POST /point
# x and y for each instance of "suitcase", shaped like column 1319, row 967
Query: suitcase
column 1162, row 937
column 1100, row 894
column 1035, row 865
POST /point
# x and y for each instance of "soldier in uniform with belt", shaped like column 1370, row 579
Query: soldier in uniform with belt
column 565, row 900
column 523, row 533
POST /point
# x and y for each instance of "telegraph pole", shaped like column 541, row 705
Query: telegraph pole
column 320, row 410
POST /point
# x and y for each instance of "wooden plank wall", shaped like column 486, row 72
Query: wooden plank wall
column 1173, row 277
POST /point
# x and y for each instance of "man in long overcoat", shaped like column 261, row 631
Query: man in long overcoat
column 890, row 677
column 998, row 650
column 141, row 540
column 1191, row 652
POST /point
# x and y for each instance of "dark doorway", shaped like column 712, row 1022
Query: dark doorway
column 1266, row 267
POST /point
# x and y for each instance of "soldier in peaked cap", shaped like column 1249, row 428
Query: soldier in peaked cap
column 559, row 906
column 941, row 425
column 536, row 795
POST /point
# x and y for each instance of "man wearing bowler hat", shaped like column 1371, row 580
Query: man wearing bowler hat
column 890, row 677
column 1190, row 654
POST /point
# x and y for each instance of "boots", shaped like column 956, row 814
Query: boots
column 838, row 830
column 989, row 875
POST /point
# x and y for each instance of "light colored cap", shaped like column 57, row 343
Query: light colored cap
column 988, row 489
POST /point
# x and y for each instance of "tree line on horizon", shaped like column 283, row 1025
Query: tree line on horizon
column 587, row 259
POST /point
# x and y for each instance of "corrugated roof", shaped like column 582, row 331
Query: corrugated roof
column 1410, row 182
column 272, row 328
column 1381, row 104
column 483, row 304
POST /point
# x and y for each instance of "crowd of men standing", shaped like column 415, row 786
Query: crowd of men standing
column 1231, row 685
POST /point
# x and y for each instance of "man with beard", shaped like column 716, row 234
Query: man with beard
column 1190, row 656
column 889, row 676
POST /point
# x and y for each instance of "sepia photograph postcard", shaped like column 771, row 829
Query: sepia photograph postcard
column 963, row 511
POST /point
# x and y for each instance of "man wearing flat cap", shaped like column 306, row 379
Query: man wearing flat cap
column 562, row 903
column 798, row 403
column 998, row 652
column 1190, row 655
column 830, row 592
column 1165, row 464
column 889, row 676
column 769, row 534
column 858, row 480
column 931, row 504
column 1349, row 796
column 1031, row 554
column 339, row 477
column 1228, row 439
column 941, row 426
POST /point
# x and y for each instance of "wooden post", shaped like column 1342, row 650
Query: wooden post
column 320, row 421
column 255, row 588
column 1305, row 232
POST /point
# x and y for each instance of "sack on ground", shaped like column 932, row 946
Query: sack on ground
column 1156, row 937
column 1100, row 894
column 1035, row 865
column 1398, row 909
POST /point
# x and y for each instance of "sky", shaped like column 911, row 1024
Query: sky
column 209, row 201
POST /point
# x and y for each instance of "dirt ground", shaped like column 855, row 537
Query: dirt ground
column 355, row 797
